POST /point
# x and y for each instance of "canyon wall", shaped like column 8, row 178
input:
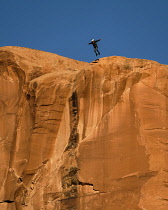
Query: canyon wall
column 82, row 136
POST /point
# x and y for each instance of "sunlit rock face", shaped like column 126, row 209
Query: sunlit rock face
column 82, row 136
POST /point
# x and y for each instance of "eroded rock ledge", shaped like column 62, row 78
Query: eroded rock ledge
column 78, row 136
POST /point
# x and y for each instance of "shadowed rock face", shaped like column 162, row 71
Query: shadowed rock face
column 82, row 136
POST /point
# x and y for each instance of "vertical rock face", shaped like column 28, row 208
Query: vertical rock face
column 75, row 135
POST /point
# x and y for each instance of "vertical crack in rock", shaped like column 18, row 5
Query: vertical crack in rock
column 70, row 169
column 74, row 117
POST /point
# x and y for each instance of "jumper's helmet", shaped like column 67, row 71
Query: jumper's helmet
column 92, row 40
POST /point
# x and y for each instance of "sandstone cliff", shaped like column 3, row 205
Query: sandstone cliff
column 82, row 136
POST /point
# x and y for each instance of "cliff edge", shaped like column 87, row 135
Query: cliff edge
column 77, row 135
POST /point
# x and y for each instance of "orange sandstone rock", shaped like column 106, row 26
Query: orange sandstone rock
column 75, row 135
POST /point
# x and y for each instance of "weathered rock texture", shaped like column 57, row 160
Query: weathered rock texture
column 80, row 136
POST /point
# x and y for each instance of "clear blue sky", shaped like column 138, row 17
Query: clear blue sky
column 130, row 28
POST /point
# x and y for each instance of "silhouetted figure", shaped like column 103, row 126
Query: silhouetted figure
column 94, row 43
